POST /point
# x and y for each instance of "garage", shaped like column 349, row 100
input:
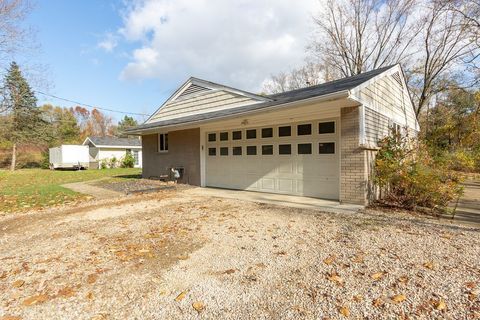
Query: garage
column 294, row 158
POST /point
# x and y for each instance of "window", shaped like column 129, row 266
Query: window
column 251, row 150
column 285, row 131
column 224, row 151
column 237, row 151
column 237, row 135
column 212, row 137
column 267, row 150
column 304, row 129
column 223, row 136
column 304, row 148
column 136, row 158
column 162, row 142
column 212, row 151
column 252, row 134
column 267, row 132
column 129, row 151
column 285, row 149
column 326, row 148
column 326, row 127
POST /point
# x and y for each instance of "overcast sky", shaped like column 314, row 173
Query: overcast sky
column 131, row 55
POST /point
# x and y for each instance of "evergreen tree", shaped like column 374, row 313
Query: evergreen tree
column 23, row 118
column 126, row 123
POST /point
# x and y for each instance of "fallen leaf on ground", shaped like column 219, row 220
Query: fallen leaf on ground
column 18, row 283
column 377, row 276
column 336, row 278
column 89, row 295
column 229, row 271
column 198, row 305
column 440, row 305
column 66, row 292
column 99, row 317
column 403, row 279
column 470, row 285
column 357, row 298
column 10, row 318
column 35, row 299
column 329, row 260
column 344, row 311
column 359, row 258
column 181, row 296
column 399, row 298
column 92, row 278
column 428, row 265
column 378, row 302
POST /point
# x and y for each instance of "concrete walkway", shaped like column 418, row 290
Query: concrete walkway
column 278, row 199
column 97, row 192
column 468, row 209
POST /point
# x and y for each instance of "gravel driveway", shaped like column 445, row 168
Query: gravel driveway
column 172, row 254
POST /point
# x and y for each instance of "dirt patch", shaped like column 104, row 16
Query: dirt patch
column 134, row 185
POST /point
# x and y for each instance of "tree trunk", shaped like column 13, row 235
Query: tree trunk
column 14, row 157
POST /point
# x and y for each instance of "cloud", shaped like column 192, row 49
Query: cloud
column 109, row 42
column 238, row 43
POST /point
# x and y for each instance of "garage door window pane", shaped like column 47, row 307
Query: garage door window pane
column 326, row 148
column 224, row 151
column 237, row 151
column 237, row 135
column 212, row 151
column 326, row 127
column 223, row 136
column 267, row 150
column 285, row 149
column 251, row 150
column 267, row 132
column 212, row 137
column 251, row 134
column 285, row 131
column 304, row 129
column 304, row 148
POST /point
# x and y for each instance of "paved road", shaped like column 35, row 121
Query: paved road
column 468, row 209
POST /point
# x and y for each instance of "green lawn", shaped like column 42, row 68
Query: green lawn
column 35, row 188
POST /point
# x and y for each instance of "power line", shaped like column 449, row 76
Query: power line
column 89, row 106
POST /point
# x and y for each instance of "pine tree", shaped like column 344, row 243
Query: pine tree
column 23, row 118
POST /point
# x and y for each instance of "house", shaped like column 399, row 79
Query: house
column 105, row 148
column 319, row 141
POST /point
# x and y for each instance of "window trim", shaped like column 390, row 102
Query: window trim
column 164, row 137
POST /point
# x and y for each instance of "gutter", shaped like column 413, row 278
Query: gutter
column 323, row 98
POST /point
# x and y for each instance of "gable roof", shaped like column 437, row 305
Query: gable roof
column 327, row 89
column 113, row 142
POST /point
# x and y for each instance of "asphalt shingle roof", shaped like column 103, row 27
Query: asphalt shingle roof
column 114, row 141
column 276, row 99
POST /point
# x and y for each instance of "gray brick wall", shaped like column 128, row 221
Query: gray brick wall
column 353, row 175
column 183, row 151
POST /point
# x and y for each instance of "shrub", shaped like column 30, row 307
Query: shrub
column 410, row 178
column 103, row 164
column 112, row 162
column 462, row 160
column 128, row 161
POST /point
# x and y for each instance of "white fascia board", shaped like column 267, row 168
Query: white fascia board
column 88, row 139
column 118, row 147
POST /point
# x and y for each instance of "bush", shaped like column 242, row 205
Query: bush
column 462, row 160
column 112, row 162
column 410, row 178
column 128, row 161
column 103, row 164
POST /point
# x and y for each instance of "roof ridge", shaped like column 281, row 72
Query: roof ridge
column 334, row 81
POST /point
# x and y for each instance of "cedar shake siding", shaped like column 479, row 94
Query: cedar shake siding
column 183, row 151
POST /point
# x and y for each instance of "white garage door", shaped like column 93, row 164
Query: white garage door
column 298, row 159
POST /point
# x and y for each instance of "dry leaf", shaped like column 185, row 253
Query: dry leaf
column 89, row 295
column 181, row 296
column 357, row 298
column 18, row 283
column 99, row 317
column 10, row 318
column 35, row 299
column 378, row 302
column 198, row 305
column 403, row 279
column 428, row 265
column 336, row 278
column 92, row 278
column 398, row 298
column 440, row 305
column 66, row 292
column 229, row 271
column 472, row 296
column 470, row 285
column 329, row 260
column 344, row 311
column 359, row 258
column 377, row 276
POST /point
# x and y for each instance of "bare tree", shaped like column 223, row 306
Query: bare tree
column 446, row 40
column 12, row 32
column 360, row 35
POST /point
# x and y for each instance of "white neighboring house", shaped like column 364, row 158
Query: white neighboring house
column 104, row 148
